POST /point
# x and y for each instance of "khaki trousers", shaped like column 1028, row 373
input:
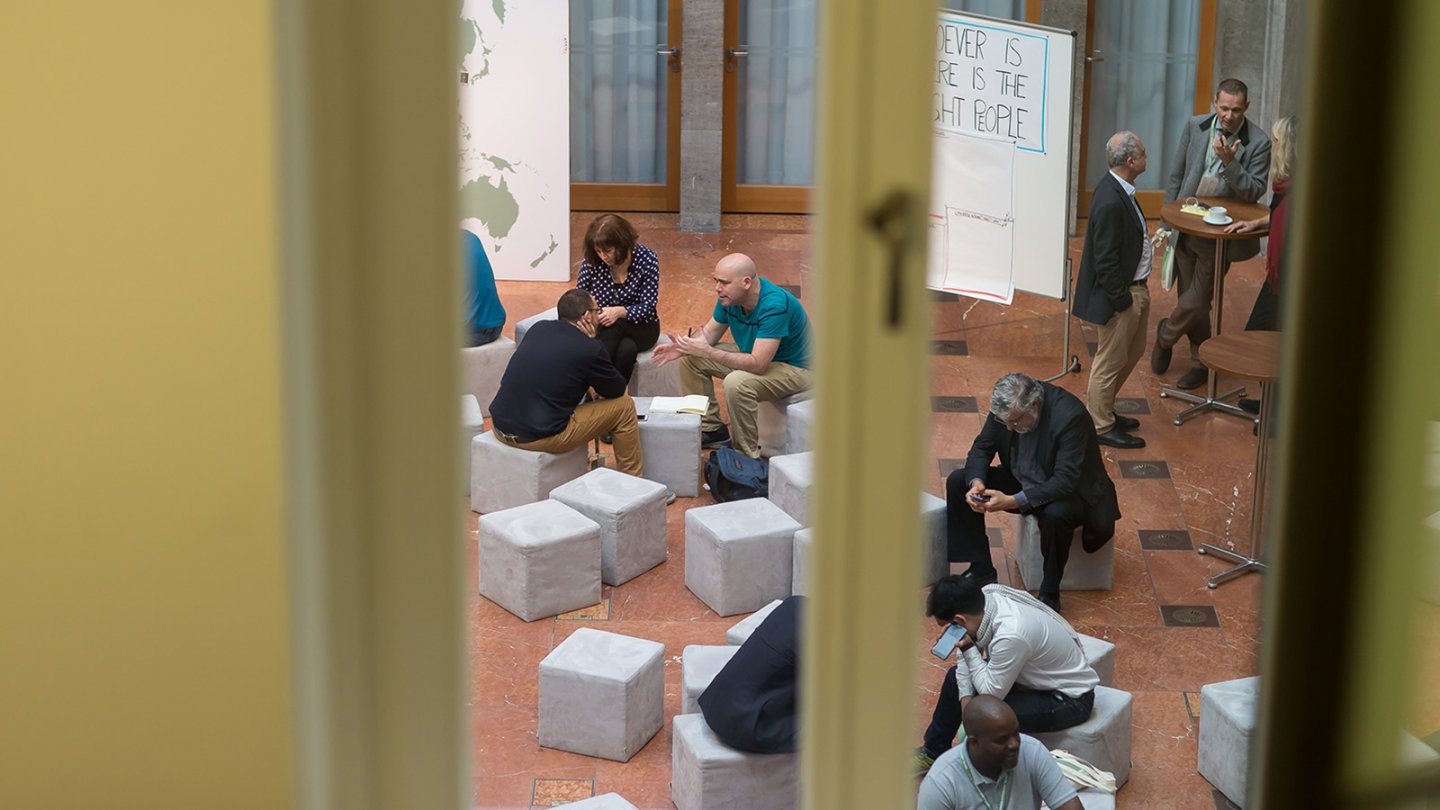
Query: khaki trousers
column 1122, row 342
column 590, row 421
column 1195, row 283
column 743, row 394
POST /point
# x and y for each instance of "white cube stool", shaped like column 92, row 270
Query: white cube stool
column 1104, row 739
column 611, row 801
column 790, row 479
column 1100, row 655
column 521, row 327
column 1227, row 722
column 472, row 423
column 771, row 420
column 670, row 443
column 800, row 566
column 935, row 550
column 602, row 694
column 1083, row 571
column 740, row 632
column 650, row 380
column 541, row 559
column 1090, row 799
column 483, row 366
column 631, row 515
column 698, row 667
column 503, row 477
column 738, row 554
column 1428, row 565
column 706, row 774
column 799, row 426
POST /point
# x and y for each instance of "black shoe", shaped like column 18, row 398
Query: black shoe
column 608, row 438
column 1194, row 378
column 1115, row 437
column 1126, row 423
column 982, row 577
column 719, row 437
column 1160, row 353
column 1050, row 600
column 1092, row 542
column 1250, row 405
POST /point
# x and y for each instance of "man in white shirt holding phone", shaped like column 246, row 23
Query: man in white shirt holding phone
column 1031, row 659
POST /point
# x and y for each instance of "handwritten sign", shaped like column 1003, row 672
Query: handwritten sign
column 991, row 81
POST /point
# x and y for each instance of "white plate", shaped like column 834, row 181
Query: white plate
column 1226, row 221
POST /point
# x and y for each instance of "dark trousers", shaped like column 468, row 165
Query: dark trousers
column 624, row 341
column 1265, row 315
column 1037, row 712
column 967, row 542
column 479, row 337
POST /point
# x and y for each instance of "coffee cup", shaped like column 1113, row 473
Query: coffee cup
column 1216, row 215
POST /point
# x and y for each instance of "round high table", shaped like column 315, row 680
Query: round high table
column 1251, row 356
column 1197, row 227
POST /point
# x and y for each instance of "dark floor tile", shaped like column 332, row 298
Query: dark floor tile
column 949, row 465
column 550, row 792
column 793, row 289
column 1222, row 803
column 954, row 405
column 952, row 347
column 938, row 295
column 1192, row 704
column 997, row 540
column 1189, row 616
column 1144, row 469
column 1166, row 540
column 1132, row 405
column 1091, row 347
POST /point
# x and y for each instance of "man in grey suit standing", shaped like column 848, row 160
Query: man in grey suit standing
column 1221, row 154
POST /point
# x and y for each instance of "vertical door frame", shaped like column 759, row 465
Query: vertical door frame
column 661, row 197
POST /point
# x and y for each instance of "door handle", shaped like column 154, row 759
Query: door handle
column 672, row 56
column 732, row 54
column 1095, row 56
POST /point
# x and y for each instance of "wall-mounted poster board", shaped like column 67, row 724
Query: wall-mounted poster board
column 999, row 218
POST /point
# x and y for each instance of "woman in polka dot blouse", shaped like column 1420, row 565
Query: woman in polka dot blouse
column 624, row 277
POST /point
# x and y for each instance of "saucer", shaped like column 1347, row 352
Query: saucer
column 1226, row 221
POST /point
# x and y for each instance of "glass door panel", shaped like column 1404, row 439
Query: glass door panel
column 769, row 131
column 1142, row 74
column 624, row 105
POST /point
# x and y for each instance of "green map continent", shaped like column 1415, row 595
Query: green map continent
column 493, row 205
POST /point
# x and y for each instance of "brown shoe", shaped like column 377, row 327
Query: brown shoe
column 1160, row 353
column 1194, row 378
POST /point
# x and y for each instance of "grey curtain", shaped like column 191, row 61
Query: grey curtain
column 618, row 91
column 776, row 117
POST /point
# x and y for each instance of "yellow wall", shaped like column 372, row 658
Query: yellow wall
column 143, row 635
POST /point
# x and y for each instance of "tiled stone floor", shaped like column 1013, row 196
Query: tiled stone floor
column 1190, row 485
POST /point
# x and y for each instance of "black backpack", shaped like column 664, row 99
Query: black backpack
column 735, row 476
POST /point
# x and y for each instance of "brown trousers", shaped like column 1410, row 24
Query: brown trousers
column 590, row 421
column 1122, row 342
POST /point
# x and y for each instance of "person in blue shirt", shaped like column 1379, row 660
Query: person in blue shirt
column 484, row 314
column 769, row 360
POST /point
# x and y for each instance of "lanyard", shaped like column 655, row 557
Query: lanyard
column 1003, row 783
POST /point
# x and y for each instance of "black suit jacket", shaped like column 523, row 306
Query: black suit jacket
column 1068, row 452
column 751, row 704
column 547, row 377
column 1114, row 242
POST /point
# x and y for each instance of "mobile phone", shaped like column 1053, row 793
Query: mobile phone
column 947, row 641
column 979, row 498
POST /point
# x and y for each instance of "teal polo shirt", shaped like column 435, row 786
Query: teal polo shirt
column 778, row 315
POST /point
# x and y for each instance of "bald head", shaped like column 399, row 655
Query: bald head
column 735, row 282
column 984, row 714
column 738, row 264
column 992, row 735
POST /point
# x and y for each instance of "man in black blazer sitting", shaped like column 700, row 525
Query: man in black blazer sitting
column 751, row 704
column 1050, row 467
column 539, row 405
column 1112, row 291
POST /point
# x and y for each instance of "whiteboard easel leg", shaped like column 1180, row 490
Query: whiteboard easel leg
column 1073, row 365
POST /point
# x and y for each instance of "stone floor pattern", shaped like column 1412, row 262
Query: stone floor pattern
column 1191, row 484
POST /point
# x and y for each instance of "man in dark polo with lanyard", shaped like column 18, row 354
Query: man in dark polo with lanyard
column 1112, row 291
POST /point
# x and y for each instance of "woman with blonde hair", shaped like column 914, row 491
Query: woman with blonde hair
column 1265, row 315
column 624, row 277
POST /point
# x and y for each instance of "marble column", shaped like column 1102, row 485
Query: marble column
column 702, row 88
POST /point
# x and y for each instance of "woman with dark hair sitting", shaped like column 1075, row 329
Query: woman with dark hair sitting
column 624, row 277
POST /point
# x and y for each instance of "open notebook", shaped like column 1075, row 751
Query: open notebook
column 694, row 403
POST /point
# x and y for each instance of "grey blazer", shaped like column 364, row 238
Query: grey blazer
column 1247, row 175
